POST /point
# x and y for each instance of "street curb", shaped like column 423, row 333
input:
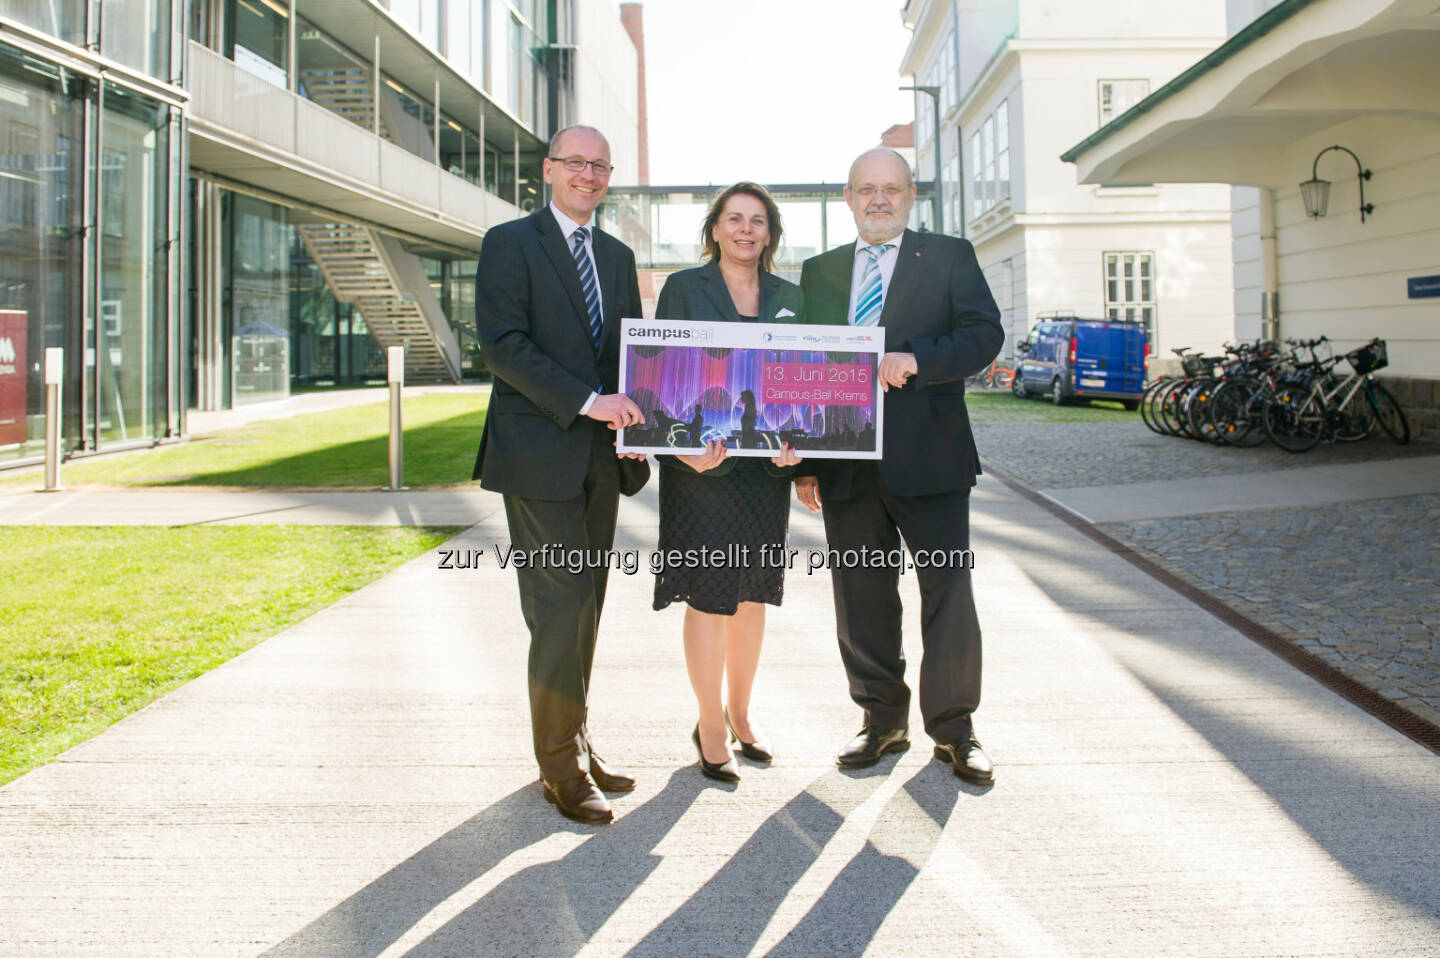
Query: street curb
column 1396, row 716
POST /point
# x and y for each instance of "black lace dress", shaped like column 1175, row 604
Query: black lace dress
column 722, row 533
column 722, row 538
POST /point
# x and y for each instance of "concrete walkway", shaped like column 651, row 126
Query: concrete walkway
column 362, row 785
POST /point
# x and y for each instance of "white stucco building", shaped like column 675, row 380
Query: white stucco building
column 1021, row 80
column 1295, row 78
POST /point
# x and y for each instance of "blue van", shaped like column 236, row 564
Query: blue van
column 1069, row 358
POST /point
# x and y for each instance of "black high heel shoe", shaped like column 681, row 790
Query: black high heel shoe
column 756, row 751
column 727, row 771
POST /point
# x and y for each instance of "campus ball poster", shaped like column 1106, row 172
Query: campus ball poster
column 754, row 386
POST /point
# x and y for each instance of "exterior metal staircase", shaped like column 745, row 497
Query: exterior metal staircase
column 392, row 291
column 348, row 92
column 343, row 91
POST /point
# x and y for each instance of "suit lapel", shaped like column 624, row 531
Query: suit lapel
column 768, row 298
column 715, row 291
column 607, row 268
column 910, row 261
column 553, row 243
column 843, row 276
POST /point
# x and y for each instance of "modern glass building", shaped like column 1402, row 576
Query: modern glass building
column 91, row 184
column 211, row 202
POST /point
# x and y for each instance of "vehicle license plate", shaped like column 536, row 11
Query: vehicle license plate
column 1092, row 382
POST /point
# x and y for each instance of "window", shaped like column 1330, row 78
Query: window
column 1004, row 289
column 952, row 188
column 977, row 184
column 258, row 39
column 945, row 71
column 924, row 120
column 1130, row 289
column 951, row 78
column 987, row 152
column 1002, row 151
column 990, row 161
column 1117, row 96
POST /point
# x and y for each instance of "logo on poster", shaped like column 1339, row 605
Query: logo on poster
column 7, row 356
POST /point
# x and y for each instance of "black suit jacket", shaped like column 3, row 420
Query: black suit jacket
column 937, row 306
column 535, row 333
column 700, row 295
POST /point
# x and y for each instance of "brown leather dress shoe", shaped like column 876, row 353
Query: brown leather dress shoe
column 873, row 742
column 578, row 799
column 969, row 760
column 608, row 777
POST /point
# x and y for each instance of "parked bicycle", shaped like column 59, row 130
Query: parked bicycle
column 995, row 376
column 1296, row 398
column 1328, row 406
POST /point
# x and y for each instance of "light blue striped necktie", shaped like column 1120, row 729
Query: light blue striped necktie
column 872, row 297
column 588, row 285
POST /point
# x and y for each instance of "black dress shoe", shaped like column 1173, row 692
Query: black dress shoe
column 969, row 760
column 726, row 771
column 873, row 742
column 755, row 751
column 608, row 777
column 578, row 799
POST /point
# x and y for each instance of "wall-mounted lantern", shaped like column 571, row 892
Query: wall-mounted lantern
column 1316, row 192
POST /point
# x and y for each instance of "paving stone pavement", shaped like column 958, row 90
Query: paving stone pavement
column 1356, row 584
column 1060, row 455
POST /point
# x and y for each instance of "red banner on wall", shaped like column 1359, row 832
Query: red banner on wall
column 14, row 324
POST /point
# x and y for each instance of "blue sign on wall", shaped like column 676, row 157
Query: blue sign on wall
column 1424, row 286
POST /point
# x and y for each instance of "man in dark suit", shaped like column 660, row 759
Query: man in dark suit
column 550, row 293
column 941, row 325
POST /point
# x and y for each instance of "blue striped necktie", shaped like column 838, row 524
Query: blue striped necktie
column 587, row 285
column 872, row 298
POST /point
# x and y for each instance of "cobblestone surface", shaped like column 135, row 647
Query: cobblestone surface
column 1357, row 585
column 1066, row 455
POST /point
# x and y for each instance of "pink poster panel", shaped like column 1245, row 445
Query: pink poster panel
column 13, row 326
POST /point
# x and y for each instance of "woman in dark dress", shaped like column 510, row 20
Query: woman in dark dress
column 713, row 501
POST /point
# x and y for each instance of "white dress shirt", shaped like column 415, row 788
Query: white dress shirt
column 886, row 262
column 568, row 228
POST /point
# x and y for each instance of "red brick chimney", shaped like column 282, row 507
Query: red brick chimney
column 632, row 15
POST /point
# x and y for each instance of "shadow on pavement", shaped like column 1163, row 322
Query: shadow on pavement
column 861, row 897
column 731, row 910
column 553, row 907
column 1379, row 828
column 556, row 907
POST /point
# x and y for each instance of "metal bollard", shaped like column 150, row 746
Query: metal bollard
column 396, row 377
column 54, row 378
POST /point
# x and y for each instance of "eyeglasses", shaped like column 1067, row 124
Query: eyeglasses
column 891, row 192
column 577, row 164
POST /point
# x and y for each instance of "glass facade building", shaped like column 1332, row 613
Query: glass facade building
column 89, row 223
column 173, row 282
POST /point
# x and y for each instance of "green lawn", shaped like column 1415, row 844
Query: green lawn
column 990, row 409
column 338, row 449
column 97, row 622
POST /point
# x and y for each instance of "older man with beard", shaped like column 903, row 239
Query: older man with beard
column 941, row 325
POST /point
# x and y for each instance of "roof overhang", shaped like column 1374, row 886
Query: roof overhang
column 1302, row 67
column 923, row 19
